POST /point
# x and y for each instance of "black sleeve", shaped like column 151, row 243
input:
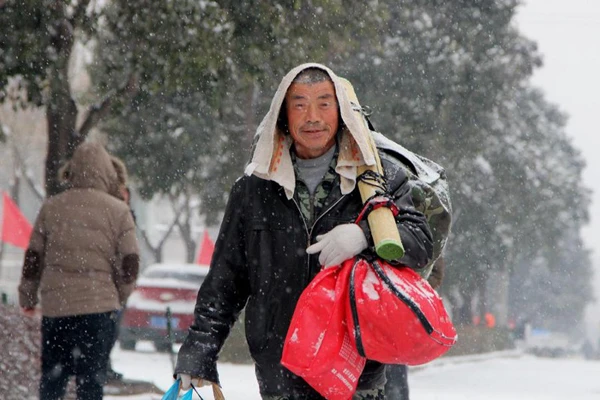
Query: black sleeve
column 412, row 224
column 221, row 297
column 30, row 279
column 414, row 230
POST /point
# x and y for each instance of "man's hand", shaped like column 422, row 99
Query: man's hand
column 339, row 244
column 187, row 381
column 28, row 311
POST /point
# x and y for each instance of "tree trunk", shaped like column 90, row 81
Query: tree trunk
column 155, row 250
column 61, row 110
column 185, row 229
column 249, row 122
column 61, row 115
column 190, row 247
column 499, row 287
column 185, row 223
column 483, row 306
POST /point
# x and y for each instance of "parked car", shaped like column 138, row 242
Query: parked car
column 159, row 288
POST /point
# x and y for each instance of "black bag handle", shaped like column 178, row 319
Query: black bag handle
column 414, row 307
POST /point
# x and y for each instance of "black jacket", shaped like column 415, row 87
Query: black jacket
column 260, row 262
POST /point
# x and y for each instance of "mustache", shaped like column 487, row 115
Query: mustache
column 313, row 126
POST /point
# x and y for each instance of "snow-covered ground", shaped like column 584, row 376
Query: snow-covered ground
column 500, row 376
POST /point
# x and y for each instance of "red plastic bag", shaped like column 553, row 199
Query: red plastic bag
column 318, row 346
column 394, row 315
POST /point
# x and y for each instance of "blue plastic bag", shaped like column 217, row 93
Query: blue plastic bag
column 173, row 391
column 187, row 395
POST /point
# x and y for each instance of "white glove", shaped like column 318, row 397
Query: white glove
column 187, row 381
column 339, row 244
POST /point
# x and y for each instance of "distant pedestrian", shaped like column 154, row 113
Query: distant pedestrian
column 588, row 350
column 122, row 192
column 490, row 320
column 78, row 237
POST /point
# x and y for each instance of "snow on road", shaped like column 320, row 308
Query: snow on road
column 508, row 378
column 502, row 376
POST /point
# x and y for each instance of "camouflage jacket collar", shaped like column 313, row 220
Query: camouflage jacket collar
column 311, row 206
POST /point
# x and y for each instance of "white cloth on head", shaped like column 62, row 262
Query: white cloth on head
column 271, row 158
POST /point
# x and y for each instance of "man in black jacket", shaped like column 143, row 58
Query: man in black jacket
column 289, row 216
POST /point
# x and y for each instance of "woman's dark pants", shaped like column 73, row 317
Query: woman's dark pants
column 75, row 345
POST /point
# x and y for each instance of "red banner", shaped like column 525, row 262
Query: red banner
column 16, row 230
column 207, row 247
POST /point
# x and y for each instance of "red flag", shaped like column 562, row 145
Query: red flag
column 206, row 250
column 16, row 230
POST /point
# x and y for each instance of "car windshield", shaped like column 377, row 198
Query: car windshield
column 179, row 275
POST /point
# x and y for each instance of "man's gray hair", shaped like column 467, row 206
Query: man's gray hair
column 312, row 75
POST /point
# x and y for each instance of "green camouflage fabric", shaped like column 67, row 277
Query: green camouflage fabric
column 372, row 394
column 311, row 206
column 433, row 201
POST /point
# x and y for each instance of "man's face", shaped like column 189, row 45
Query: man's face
column 312, row 113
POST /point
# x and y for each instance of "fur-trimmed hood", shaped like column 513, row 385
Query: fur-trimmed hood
column 271, row 158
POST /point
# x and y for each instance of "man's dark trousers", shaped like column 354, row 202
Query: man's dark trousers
column 396, row 387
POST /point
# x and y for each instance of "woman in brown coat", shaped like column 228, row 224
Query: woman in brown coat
column 83, row 259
